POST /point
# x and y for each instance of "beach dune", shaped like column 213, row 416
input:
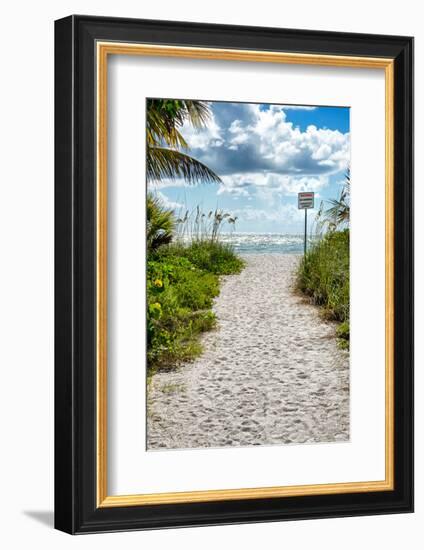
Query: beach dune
column 271, row 373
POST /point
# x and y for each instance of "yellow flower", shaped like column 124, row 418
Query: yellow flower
column 158, row 283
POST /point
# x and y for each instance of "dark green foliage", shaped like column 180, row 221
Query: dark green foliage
column 160, row 224
column 324, row 276
column 179, row 299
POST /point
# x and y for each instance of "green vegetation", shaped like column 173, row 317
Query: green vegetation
column 182, row 281
column 324, row 272
column 184, row 255
column 165, row 158
column 198, row 225
column 324, row 276
column 343, row 333
column 160, row 224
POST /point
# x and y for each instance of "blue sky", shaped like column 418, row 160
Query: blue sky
column 265, row 154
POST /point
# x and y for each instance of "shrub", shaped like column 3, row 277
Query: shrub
column 212, row 256
column 182, row 282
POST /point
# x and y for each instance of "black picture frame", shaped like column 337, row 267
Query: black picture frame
column 76, row 510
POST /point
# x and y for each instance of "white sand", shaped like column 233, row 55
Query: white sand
column 270, row 374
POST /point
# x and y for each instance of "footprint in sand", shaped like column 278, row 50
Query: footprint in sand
column 271, row 357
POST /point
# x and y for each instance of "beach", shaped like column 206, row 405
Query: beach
column 271, row 373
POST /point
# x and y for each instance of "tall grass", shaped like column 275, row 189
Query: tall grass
column 198, row 225
column 324, row 276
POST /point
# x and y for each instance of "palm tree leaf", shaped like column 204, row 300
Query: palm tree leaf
column 160, row 223
column 165, row 116
column 339, row 212
column 159, row 131
column 198, row 112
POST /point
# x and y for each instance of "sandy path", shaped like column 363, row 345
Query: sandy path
column 270, row 374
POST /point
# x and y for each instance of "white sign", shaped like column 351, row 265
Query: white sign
column 305, row 200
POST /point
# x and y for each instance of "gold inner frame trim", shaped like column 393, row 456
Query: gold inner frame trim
column 104, row 49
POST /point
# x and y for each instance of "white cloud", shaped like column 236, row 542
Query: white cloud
column 202, row 138
column 244, row 137
column 154, row 185
column 286, row 214
column 290, row 149
column 299, row 107
column 259, row 153
column 167, row 202
column 266, row 185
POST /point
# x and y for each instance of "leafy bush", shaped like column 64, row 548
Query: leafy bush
column 160, row 224
column 182, row 282
column 212, row 256
column 324, row 276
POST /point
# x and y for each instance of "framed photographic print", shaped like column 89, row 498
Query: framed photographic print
column 234, row 269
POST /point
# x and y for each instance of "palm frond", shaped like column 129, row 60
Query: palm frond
column 165, row 116
column 169, row 163
column 160, row 223
column 338, row 214
column 199, row 112
column 160, row 131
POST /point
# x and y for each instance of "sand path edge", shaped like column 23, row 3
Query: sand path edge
column 271, row 373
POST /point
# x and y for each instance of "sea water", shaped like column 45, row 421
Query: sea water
column 264, row 243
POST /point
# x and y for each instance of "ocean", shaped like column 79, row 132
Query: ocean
column 264, row 243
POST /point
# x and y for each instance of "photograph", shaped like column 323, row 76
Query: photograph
column 233, row 344
column 247, row 274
